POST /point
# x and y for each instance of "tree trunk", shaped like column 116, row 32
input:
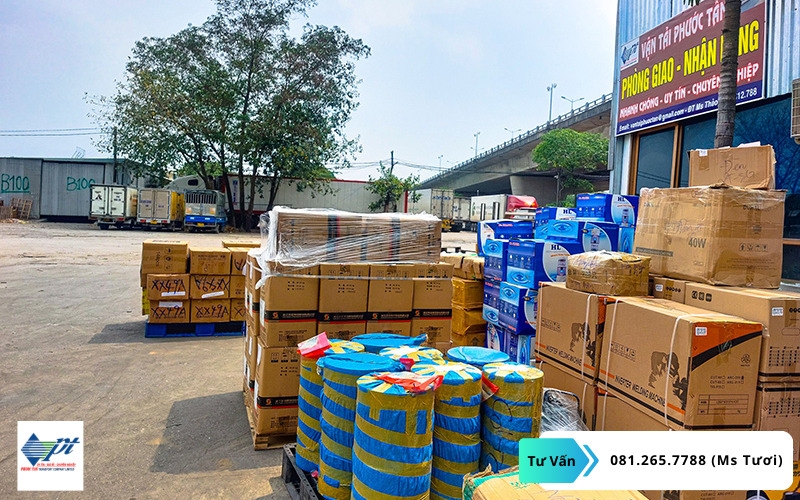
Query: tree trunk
column 251, row 202
column 726, row 111
column 244, row 223
column 274, row 184
column 229, row 195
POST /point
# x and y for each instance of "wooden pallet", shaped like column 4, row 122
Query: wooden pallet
column 299, row 484
column 23, row 207
column 266, row 442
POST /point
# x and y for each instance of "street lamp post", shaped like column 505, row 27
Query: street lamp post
column 572, row 102
column 476, row 143
column 513, row 132
column 440, row 161
column 550, row 89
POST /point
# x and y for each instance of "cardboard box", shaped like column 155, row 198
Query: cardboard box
column 616, row 208
column 237, row 288
column 210, row 311
column 696, row 369
column 584, row 392
column 250, row 351
column 467, row 294
column 402, row 327
column 275, row 421
column 277, row 375
column 468, row 321
column 777, row 310
column 438, row 330
column 169, row 311
column 238, row 260
column 289, row 289
column 614, row 414
column 721, row 236
column 520, row 348
column 531, row 262
column 546, row 214
column 433, row 290
column 495, row 253
column 163, row 256
column 238, row 312
column 466, row 266
column 241, row 243
column 779, row 495
column 209, row 260
column 145, row 303
column 496, row 337
column 491, row 301
column 473, row 339
column 391, row 290
column 503, row 229
column 343, row 330
column 608, row 273
column 286, row 331
column 567, row 334
column 167, row 286
column 252, row 297
column 343, row 295
column 209, row 287
column 442, row 347
column 747, row 166
column 670, row 289
column 778, row 409
column 517, row 311
column 592, row 236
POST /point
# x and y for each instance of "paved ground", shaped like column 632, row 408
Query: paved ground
column 162, row 418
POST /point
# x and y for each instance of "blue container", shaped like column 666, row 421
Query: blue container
column 546, row 214
column 494, row 265
column 518, row 308
column 495, row 337
column 375, row 342
column 533, row 261
column 476, row 356
column 593, row 236
column 619, row 209
column 503, row 229
column 525, row 348
column 491, row 301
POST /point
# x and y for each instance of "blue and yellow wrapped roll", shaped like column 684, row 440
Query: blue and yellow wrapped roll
column 393, row 441
column 308, row 430
column 514, row 412
column 476, row 356
column 418, row 354
column 457, row 426
column 340, row 372
column 374, row 342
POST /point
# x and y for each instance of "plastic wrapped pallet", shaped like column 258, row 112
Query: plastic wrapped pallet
column 411, row 355
column 393, row 443
column 561, row 411
column 339, row 375
column 512, row 413
column 310, row 404
column 457, row 426
column 311, row 236
column 608, row 273
column 375, row 342
column 476, row 356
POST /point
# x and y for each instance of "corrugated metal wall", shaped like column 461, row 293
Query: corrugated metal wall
column 21, row 178
column 65, row 187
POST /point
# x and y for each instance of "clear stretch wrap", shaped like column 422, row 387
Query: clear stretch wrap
column 340, row 372
column 561, row 411
column 476, row 356
column 310, row 236
column 310, row 404
column 416, row 354
column 375, row 342
column 514, row 412
column 457, row 426
column 393, row 443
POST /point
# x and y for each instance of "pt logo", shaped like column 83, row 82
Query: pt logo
column 37, row 451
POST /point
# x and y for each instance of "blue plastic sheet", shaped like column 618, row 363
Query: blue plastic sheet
column 476, row 356
column 374, row 342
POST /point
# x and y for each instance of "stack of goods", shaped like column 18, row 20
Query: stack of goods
column 337, row 422
column 252, row 303
column 469, row 326
column 412, row 355
column 393, row 444
column 432, row 307
column 238, row 282
column 210, row 278
column 164, row 281
column 476, row 356
column 512, row 413
column 468, row 266
column 456, row 431
column 310, row 403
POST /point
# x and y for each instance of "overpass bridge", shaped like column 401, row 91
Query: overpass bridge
column 508, row 168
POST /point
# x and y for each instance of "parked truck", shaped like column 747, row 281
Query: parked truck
column 160, row 208
column 488, row 207
column 438, row 202
column 111, row 204
column 461, row 210
column 205, row 209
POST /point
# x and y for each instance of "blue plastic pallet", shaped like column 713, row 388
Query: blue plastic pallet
column 162, row 330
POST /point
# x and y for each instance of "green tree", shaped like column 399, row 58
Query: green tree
column 390, row 188
column 566, row 153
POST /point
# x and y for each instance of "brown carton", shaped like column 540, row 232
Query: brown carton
column 608, row 273
column 163, row 256
column 433, row 286
column 569, row 329
column 390, row 289
column 684, row 366
column 210, row 311
column 169, row 311
column 250, row 351
column 289, row 289
column 468, row 321
column 168, row 286
column 722, row 236
column 402, row 327
column 473, row 339
column 793, row 488
column 277, row 375
column 274, row 421
column 238, row 312
column 467, row 294
column 145, row 303
column 778, row 311
column 237, row 288
column 287, row 332
column 209, row 260
column 209, row 287
column 614, row 414
column 337, row 293
column 778, row 409
column 751, row 167
column 252, row 297
column 670, row 289
column 466, row 266
column 438, row 330
column 585, row 392
column 342, row 330
column 238, row 260
column 241, row 243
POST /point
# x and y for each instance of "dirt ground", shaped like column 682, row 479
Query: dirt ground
column 163, row 418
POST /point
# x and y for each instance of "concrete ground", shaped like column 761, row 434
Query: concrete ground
column 163, row 418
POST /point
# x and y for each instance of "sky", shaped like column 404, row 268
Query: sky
column 439, row 72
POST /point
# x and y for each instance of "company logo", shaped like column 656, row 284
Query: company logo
column 629, row 54
column 36, row 450
column 49, row 456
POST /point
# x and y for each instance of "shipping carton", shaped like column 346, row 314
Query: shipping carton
column 685, row 366
column 503, row 229
column 517, row 308
column 238, row 260
column 252, row 297
column 286, row 331
column 237, row 287
column 400, row 327
column 467, row 293
column 531, row 262
column 670, row 289
column 438, row 329
column 465, row 266
column 614, row 414
column 469, row 339
column 584, row 392
column 276, row 388
column 433, row 288
column 569, row 330
column 169, row 311
column 241, row 243
column 746, row 166
column 495, row 254
column 616, row 208
column 168, row 286
column 722, row 236
column 163, row 256
column 592, row 236
column 250, row 351
column 274, row 421
column 145, row 303
column 491, row 301
column 608, row 273
column 289, row 289
column 210, row 311
column 342, row 330
column 209, row 260
column 777, row 310
column 209, row 287
column 238, row 312
column 778, row 409
column 496, row 337
column 338, row 292
column 391, row 290
column 468, row 321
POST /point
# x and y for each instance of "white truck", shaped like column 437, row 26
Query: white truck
column 438, row 202
column 113, row 205
column 488, row 207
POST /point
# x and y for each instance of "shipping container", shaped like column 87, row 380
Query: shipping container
column 21, row 178
column 438, row 202
column 160, row 208
column 112, row 204
column 205, row 209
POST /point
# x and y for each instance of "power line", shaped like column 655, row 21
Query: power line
column 49, row 135
column 47, row 130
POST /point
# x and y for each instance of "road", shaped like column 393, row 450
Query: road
column 163, row 418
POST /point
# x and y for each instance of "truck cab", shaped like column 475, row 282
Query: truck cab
column 205, row 209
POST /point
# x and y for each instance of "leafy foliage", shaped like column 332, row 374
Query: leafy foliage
column 566, row 152
column 390, row 188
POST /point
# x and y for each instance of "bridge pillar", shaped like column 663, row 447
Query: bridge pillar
column 543, row 188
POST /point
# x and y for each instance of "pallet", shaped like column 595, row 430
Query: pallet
column 266, row 442
column 23, row 207
column 165, row 330
column 299, row 484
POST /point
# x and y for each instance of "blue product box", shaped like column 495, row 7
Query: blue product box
column 546, row 214
column 491, row 301
column 525, row 347
column 593, row 236
column 616, row 208
column 504, row 229
column 530, row 262
column 494, row 263
column 511, row 345
column 495, row 336
column 518, row 308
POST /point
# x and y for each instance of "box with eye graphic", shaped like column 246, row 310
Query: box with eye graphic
column 593, row 236
column 517, row 311
column 491, row 301
column 495, row 252
column 616, row 208
column 531, row 262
